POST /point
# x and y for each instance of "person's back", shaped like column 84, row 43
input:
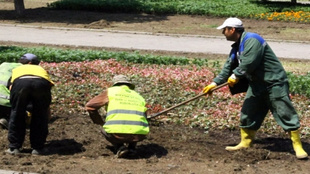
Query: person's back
column 126, row 112
column 261, row 65
column 125, row 122
column 30, row 84
column 31, row 70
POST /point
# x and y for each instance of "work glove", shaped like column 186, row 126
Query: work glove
column 232, row 80
column 208, row 88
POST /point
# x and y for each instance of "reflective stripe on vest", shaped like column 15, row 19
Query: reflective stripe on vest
column 4, row 96
column 123, row 111
column 126, row 112
column 125, row 122
column 3, row 83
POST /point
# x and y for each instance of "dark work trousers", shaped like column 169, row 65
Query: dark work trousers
column 5, row 112
column 24, row 91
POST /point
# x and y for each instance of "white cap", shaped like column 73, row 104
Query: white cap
column 231, row 22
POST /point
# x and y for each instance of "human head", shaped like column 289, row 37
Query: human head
column 29, row 58
column 232, row 28
column 119, row 80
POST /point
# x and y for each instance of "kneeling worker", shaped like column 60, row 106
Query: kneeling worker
column 125, row 121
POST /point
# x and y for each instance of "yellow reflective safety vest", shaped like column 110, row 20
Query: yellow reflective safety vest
column 5, row 74
column 31, row 70
column 126, row 112
column 6, row 71
column 4, row 96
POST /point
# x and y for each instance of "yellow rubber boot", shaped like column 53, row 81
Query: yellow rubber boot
column 247, row 137
column 300, row 152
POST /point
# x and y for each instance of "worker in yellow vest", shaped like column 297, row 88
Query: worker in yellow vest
column 125, row 121
column 30, row 84
column 5, row 106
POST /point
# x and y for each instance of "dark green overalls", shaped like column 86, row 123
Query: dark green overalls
column 253, row 61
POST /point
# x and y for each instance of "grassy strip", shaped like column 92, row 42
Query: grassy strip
column 12, row 53
column 249, row 8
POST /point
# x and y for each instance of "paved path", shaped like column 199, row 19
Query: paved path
column 139, row 41
column 14, row 172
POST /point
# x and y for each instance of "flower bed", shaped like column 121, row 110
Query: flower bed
column 288, row 16
column 162, row 86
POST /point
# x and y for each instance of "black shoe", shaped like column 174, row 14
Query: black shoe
column 132, row 152
column 132, row 149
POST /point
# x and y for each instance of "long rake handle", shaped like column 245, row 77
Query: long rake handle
column 191, row 99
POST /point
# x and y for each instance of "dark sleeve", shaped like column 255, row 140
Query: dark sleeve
column 225, row 72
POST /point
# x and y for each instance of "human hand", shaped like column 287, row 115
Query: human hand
column 209, row 87
column 232, row 80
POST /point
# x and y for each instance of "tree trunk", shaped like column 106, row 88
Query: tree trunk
column 19, row 7
column 294, row 1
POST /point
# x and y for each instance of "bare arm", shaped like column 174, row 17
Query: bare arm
column 95, row 104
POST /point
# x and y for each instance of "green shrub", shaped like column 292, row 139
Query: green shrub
column 300, row 84
column 11, row 54
column 224, row 8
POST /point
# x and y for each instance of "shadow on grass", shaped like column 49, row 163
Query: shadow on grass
column 46, row 15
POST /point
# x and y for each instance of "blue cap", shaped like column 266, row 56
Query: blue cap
column 29, row 56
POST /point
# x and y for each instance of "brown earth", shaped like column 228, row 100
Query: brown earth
column 76, row 145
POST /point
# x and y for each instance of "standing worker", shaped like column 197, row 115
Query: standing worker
column 252, row 67
column 125, row 122
column 30, row 84
column 5, row 106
